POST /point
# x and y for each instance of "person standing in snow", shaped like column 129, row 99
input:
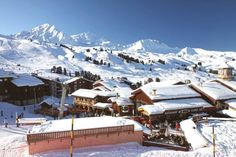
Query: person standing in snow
column 17, row 121
column 5, row 122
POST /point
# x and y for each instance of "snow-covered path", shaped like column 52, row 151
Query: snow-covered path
column 13, row 141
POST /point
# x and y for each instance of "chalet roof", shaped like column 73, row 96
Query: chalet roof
column 167, row 91
column 216, row 90
column 231, row 84
column 102, row 105
column 151, row 109
column 89, row 93
column 169, row 105
column 225, row 66
column 183, row 104
column 26, row 80
column 51, row 101
column 6, row 74
column 115, row 85
column 84, row 123
column 110, row 84
column 121, row 101
column 75, row 79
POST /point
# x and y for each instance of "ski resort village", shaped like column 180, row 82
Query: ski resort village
column 67, row 95
column 118, row 78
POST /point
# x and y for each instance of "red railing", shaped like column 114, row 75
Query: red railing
column 67, row 134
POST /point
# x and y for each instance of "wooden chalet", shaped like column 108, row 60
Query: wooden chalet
column 52, row 87
column 122, row 106
column 5, row 84
column 20, row 89
column 87, row 98
column 159, row 102
column 77, row 83
column 50, row 107
column 26, row 90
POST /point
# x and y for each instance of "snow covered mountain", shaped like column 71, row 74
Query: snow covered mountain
column 149, row 45
column 37, row 51
column 50, row 34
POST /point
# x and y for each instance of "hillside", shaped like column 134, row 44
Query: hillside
column 38, row 50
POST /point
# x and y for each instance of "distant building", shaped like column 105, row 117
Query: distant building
column 122, row 106
column 5, row 84
column 20, row 89
column 53, row 86
column 225, row 72
column 77, row 83
column 87, row 98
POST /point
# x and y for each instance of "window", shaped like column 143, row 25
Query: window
column 124, row 109
column 6, row 91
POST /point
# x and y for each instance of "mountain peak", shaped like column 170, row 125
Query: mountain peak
column 187, row 51
column 150, row 45
column 49, row 33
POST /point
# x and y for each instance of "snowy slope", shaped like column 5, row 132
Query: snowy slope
column 42, row 53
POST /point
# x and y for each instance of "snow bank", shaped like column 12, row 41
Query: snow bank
column 84, row 123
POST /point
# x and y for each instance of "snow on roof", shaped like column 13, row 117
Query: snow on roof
column 84, row 123
column 110, row 84
column 50, row 100
column 89, row 93
column 216, row 90
column 230, row 113
column 231, row 103
column 26, row 80
column 71, row 80
column 193, row 136
column 74, row 79
column 168, row 92
column 167, row 105
column 183, row 104
column 225, row 66
column 231, row 84
column 152, row 109
column 6, row 74
column 102, row 105
column 121, row 101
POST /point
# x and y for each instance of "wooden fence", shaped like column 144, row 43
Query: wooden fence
column 67, row 134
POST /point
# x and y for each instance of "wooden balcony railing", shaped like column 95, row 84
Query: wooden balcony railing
column 35, row 137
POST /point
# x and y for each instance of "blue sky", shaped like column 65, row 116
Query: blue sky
column 209, row 24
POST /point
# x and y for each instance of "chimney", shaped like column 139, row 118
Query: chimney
column 154, row 92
